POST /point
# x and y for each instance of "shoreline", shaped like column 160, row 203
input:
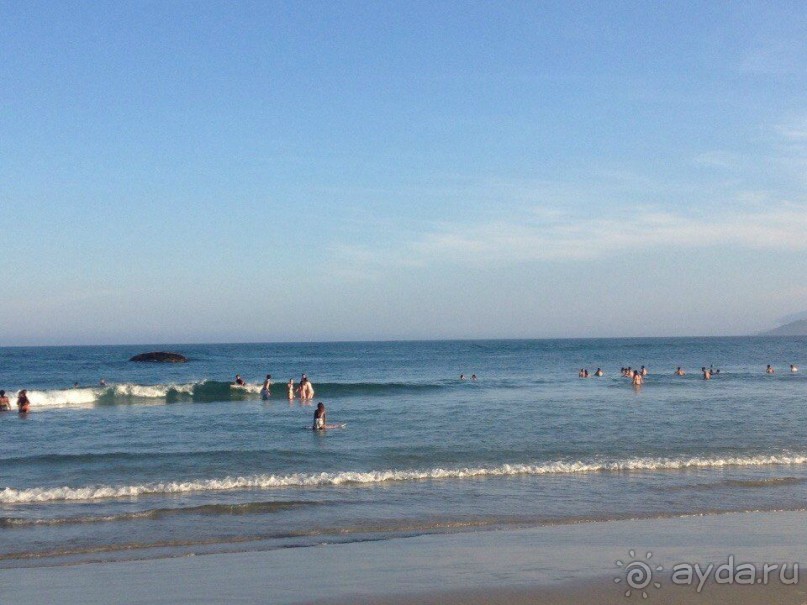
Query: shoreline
column 574, row 563
column 114, row 554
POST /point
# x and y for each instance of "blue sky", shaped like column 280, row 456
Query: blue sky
column 258, row 171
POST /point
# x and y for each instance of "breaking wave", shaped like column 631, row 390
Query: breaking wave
column 11, row 495
column 208, row 391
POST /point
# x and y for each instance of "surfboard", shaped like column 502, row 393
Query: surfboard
column 340, row 425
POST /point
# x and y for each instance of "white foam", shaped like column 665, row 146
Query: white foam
column 10, row 495
column 66, row 397
column 83, row 396
column 157, row 391
column 248, row 388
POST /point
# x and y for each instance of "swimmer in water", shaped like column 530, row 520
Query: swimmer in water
column 793, row 368
column 319, row 417
column 102, row 383
column 462, row 376
column 770, row 370
column 637, row 379
column 5, row 405
column 23, row 404
column 239, row 381
column 707, row 374
column 290, row 387
column 598, row 373
column 679, row 371
column 473, row 376
column 306, row 389
column 267, row 386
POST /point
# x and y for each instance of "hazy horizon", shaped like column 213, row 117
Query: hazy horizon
column 145, row 345
column 242, row 172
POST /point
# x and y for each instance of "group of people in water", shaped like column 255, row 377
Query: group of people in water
column 304, row 390
column 637, row 376
column 23, row 405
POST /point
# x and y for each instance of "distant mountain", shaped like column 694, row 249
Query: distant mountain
column 794, row 328
column 792, row 317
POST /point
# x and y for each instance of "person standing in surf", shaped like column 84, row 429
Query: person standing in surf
column 319, row 417
column 306, row 389
column 266, row 389
column 4, row 403
column 23, row 405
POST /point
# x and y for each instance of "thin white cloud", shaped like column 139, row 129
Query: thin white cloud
column 779, row 57
column 575, row 238
column 719, row 159
column 793, row 132
column 555, row 235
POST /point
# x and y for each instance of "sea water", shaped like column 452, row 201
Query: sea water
column 169, row 459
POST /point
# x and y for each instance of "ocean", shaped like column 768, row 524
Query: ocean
column 170, row 460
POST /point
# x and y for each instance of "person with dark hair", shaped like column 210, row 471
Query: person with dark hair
column 266, row 390
column 319, row 417
column 4, row 403
column 23, row 404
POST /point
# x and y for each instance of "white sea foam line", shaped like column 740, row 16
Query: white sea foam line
column 10, row 495
column 248, row 388
column 86, row 395
column 152, row 391
column 65, row 397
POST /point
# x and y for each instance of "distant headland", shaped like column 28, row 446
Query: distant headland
column 794, row 328
column 160, row 357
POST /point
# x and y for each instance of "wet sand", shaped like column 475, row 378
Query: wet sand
column 593, row 593
column 558, row 564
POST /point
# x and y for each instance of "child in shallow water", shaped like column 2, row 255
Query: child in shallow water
column 319, row 417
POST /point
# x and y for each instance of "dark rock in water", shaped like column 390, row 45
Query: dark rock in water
column 160, row 356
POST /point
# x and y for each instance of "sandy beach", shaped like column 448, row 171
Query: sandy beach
column 573, row 563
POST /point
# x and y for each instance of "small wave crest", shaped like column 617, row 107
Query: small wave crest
column 10, row 495
column 204, row 391
column 65, row 397
column 249, row 508
column 207, row 391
